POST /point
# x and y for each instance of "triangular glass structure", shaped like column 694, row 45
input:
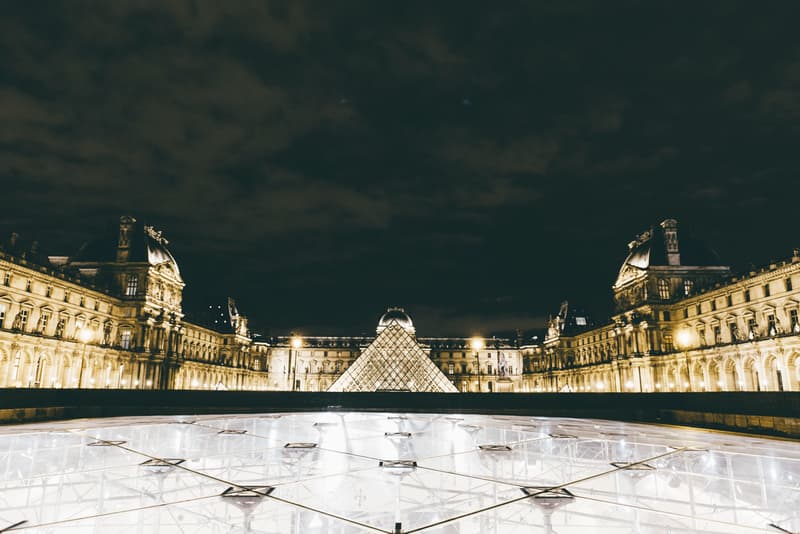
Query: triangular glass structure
column 394, row 361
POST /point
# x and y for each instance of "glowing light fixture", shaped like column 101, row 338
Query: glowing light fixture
column 476, row 343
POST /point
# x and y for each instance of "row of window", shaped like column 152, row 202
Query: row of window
column 48, row 292
column 688, row 287
column 463, row 369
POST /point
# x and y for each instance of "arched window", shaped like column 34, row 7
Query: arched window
column 663, row 289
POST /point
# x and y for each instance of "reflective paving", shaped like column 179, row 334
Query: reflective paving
column 346, row 473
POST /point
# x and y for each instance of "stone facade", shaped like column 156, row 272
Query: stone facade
column 682, row 323
column 111, row 316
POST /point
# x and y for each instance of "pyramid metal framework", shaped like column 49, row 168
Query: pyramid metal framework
column 394, row 361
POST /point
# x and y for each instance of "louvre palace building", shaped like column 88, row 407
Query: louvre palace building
column 111, row 316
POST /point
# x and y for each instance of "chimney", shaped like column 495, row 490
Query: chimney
column 670, row 227
column 126, row 226
column 35, row 248
column 13, row 241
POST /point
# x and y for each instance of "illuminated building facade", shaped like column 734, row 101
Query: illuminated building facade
column 111, row 316
column 683, row 322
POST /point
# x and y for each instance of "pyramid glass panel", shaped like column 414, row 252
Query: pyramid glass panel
column 394, row 361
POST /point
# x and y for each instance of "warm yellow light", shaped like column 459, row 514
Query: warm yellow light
column 684, row 338
column 85, row 335
column 476, row 343
column 297, row 342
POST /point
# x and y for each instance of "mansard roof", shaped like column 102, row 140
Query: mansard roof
column 649, row 249
column 146, row 246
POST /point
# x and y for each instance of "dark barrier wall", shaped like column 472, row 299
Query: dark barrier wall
column 767, row 413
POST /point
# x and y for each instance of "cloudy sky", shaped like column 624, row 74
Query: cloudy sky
column 474, row 162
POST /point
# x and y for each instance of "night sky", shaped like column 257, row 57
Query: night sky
column 476, row 163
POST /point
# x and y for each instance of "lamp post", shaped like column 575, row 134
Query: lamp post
column 477, row 344
column 295, row 343
column 84, row 336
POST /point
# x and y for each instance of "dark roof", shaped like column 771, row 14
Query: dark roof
column 144, row 247
column 651, row 250
column 18, row 247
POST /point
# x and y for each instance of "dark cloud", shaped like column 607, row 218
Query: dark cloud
column 322, row 160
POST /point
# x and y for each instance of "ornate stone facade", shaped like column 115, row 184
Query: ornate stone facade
column 111, row 316
column 683, row 322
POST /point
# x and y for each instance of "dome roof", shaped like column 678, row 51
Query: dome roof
column 396, row 315
column 649, row 249
column 146, row 245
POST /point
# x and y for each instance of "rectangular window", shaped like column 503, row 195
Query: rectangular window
column 733, row 332
column 43, row 321
column 489, row 369
column 451, row 368
column 7, row 279
column 717, row 334
column 688, row 287
column 125, row 339
column 666, row 316
column 772, row 328
column 463, row 368
column 752, row 327
column 48, row 292
column 766, row 290
column 2, row 313
column 66, row 296
column 463, row 354
column 793, row 320
column 714, row 305
column 729, row 300
column 23, row 318
column 698, row 309
column 788, row 284
column 82, row 301
column 747, row 295
column 701, row 336
column 28, row 285
column 668, row 343
column 686, row 313
column 133, row 285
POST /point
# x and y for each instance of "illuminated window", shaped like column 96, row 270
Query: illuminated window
column 688, row 287
column 733, row 331
column 44, row 320
column 668, row 346
column 580, row 321
column 752, row 327
column 451, row 368
column 23, row 318
column 772, row 327
column 663, row 289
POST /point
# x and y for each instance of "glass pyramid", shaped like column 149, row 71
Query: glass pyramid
column 394, row 361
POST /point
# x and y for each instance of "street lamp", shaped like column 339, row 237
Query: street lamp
column 84, row 336
column 477, row 344
column 295, row 343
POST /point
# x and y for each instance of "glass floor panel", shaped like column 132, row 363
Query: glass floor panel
column 348, row 472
